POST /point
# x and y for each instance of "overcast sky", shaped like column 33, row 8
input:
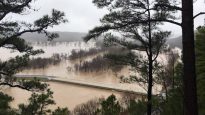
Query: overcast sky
column 83, row 15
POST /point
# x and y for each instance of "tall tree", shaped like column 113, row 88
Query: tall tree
column 200, row 68
column 170, row 6
column 189, row 70
column 10, row 38
column 133, row 19
column 189, row 79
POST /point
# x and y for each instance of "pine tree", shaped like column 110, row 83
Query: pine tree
column 10, row 38
column 164, row 8
column 137, row 26
column 200, row 67
column 110, row 106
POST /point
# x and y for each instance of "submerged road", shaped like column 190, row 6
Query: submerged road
column 114, row 87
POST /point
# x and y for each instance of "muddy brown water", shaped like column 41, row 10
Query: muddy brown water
column 67, row 95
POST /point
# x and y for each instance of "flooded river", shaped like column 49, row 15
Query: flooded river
column 67, row 95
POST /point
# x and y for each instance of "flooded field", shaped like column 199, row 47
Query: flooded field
column 67, row 95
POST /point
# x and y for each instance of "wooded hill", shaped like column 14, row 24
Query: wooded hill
column 77, row 36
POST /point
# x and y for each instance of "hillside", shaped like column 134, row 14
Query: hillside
column 63, row 37
column 77, row 36
column 175, row 42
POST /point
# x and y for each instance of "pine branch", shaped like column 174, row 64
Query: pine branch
column 15, row 86
column 14, row 8
column 169, row 6
column 3, row 73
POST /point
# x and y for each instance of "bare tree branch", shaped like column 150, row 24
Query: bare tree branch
column 201, row 13
column 166, row 20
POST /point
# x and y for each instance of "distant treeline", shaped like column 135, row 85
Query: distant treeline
column 98, row 64
column 94, row 51
column 54, row 43
column 83, row 53
column 41, row 63
column 63, row 37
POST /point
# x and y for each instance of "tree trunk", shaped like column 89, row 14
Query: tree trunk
column 150, row 79
column 149, row 94
column 189, row 78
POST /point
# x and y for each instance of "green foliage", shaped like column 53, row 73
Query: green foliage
column 136, row 24
column 136, row 108
column 131, row 20
column 128, row 15
column 12, row 66
column 200, row 68
column 110, row 106
column 178, row 76
column 174, row 103
column 5, row 109
column 10, row 37
column 33, row 85
column 61, row 111
column 38, row 104
column 5, row 99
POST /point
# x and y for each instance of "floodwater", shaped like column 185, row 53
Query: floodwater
column 50, row 49
column 67, row 95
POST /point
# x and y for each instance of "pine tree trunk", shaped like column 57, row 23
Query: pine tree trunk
column 150, row 80
column 189, row 78
column 149, row 94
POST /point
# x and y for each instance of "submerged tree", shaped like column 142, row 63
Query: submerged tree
column 10, row 38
